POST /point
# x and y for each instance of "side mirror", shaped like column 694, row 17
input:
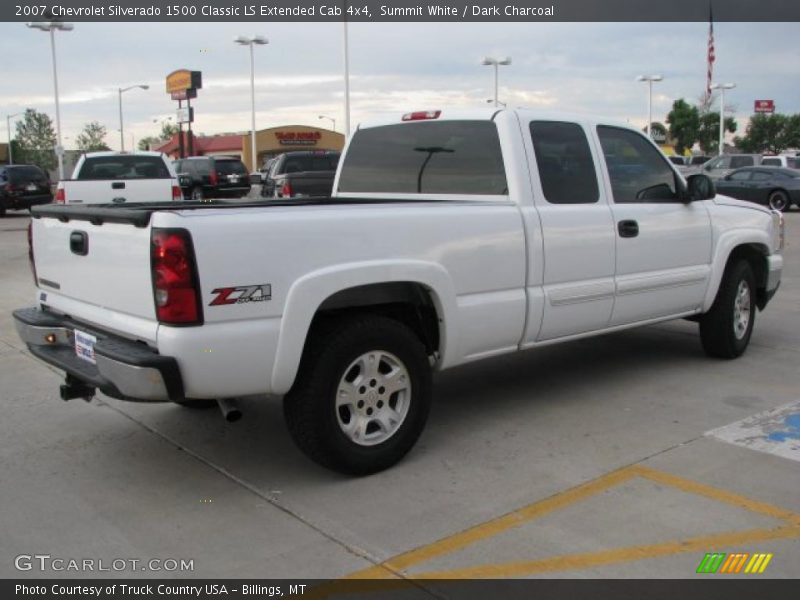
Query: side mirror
column 255, row 178
column 700, row 187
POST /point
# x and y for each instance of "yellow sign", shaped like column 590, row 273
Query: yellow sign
column 184, row 79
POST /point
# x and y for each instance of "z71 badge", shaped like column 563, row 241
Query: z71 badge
column 242, row 294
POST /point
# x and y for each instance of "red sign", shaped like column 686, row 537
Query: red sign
column 764, row 106
column 298, row 138
column 184, row 94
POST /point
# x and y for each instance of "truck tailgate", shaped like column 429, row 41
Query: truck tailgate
column 108, row 191
column 81, row 266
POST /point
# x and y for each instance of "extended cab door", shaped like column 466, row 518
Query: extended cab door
column 577, row 231
column 663, row 243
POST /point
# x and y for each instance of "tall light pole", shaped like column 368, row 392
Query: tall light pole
column 495, row 62
column 120, row 91
column 722, row 87
column 649, row 79
column 51, row 27
column 331, row 119
column 346, row 82
column 251, row 41
column 10, row 137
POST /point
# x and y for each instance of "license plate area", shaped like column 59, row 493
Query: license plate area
column 84, row 346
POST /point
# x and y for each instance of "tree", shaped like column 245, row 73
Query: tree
column 92, row 138
column 36, row 140
column 708, row 131
column 146, row 142
column 684, row 125
column 168, row 130
column 769, row 133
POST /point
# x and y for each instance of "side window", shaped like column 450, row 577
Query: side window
column 774, row 162
column 741, row 161
column 566, row 168
column 739, row 176
column 721, row 162
column 761, row 176
column 638, row 172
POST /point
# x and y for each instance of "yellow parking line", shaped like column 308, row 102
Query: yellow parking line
column 573, row 562
column 397, row 566
column 496, row 526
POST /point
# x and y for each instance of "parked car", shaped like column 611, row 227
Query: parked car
column 719, row 167
column 23, row 186
column 204, row 177
column 118, row 178
column 776, row 187
column 447, row 240
column 302, row 173
column 789, row 162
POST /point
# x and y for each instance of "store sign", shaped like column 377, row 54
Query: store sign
column 298, row 138
column 764, row 106
column 658, row 133
column 184, row 79
column 184, row 94
column 185, row 114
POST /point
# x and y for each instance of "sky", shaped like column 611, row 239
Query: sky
column 394, row 67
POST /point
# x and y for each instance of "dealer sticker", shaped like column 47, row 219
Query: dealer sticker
column 84, row 346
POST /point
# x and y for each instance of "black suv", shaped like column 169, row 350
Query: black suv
column 23, row 186
column 212, row 177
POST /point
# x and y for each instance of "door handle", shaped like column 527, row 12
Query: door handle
column 628, row 228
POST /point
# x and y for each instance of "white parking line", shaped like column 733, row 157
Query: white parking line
column 775, row 431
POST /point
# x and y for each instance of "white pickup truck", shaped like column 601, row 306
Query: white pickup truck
column 450, row 237
column 120, row 177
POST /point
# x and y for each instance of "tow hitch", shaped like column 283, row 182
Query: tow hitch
column 74, row 388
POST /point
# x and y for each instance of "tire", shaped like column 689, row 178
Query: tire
column 198, row 194
column 2, row 209
column 382, row 422
column 726, row 328
column 196, row 404
column 779, row 200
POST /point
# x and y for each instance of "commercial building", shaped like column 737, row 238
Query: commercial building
column 269, row 142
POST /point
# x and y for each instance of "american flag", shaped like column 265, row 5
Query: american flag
column 711, row 55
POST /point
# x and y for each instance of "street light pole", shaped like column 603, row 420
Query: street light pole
column 649, row 79
column 722, row 87
column 10, row 138
column 496, row 62
column 251, row 41
column 50, row 27
column 346, row 83
column 120, row 90
column 331, row 119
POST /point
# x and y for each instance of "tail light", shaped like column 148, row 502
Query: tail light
column 175, row 285
column 286, row 190
column 177, row 193
column 30, row 252
column 61, row 196
column 213, row 178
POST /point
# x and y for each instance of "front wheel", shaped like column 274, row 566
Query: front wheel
column 362, row 395
column 778, row 200
column 726, row 328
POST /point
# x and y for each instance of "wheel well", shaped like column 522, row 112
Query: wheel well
column 408, row 302
column 755, row 254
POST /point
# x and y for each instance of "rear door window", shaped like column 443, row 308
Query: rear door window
column 565, row 164
column 426, row 157
column 742, row 161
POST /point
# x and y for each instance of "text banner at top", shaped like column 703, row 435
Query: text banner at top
column 402, row 11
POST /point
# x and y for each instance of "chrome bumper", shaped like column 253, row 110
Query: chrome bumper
column 124, row 369
column 774, row 271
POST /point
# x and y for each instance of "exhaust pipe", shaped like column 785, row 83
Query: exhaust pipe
column 230, row 410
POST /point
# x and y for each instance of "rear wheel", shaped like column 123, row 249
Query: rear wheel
column 778, row 200
column 2, row 208
column 725, row 330
column 362, row 395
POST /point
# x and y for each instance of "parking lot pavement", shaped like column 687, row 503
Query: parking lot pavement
column 597, row 458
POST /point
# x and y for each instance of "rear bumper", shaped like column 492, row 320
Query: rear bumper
column 20, row 202
column 124, row 369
